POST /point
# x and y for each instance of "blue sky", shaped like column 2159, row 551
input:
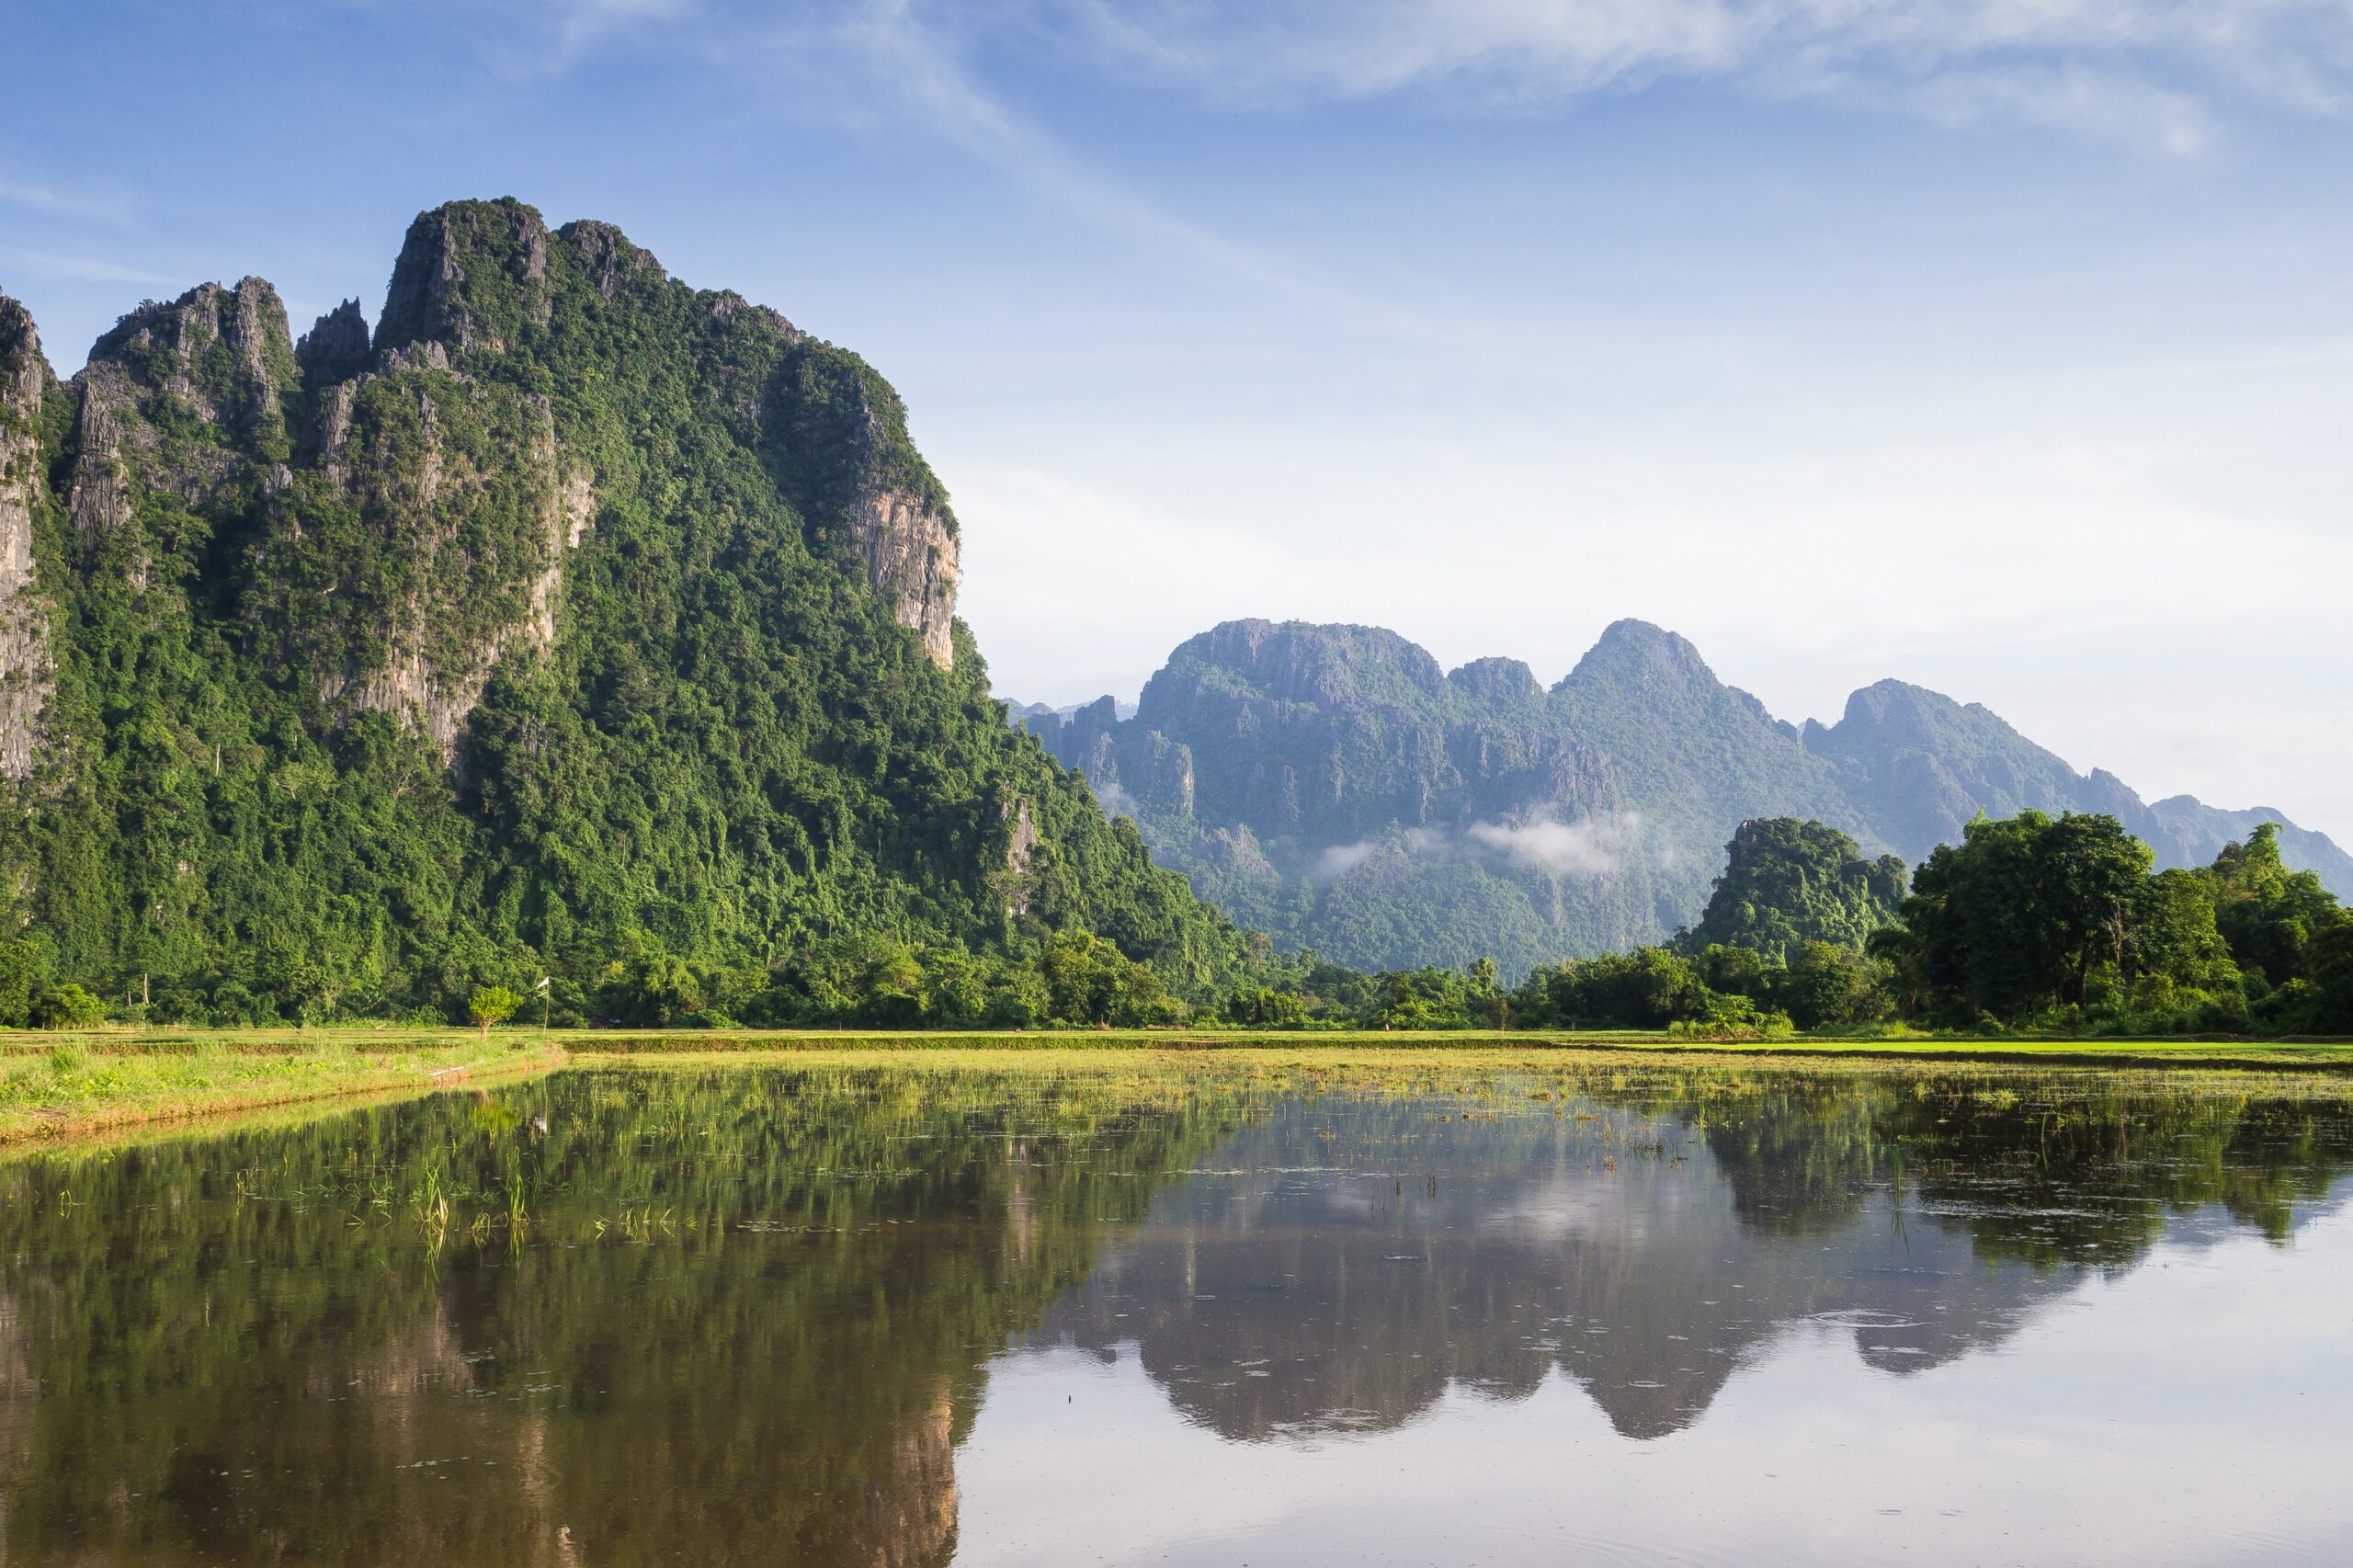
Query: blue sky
column 2004, row 346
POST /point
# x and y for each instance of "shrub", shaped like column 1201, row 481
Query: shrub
column 66, row 1006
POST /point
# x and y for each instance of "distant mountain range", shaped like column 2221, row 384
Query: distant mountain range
column 1335, row 787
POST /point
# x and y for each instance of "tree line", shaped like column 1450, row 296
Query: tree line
column 2034, row 923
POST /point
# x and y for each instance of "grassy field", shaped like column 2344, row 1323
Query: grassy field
column 74, row 1085
column 57, row 1085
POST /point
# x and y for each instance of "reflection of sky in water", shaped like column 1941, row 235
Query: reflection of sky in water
column 1512, row 1343
column 758, row 1316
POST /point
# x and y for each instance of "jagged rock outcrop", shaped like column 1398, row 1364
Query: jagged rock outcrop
column 25, row 682
column 336, row 348
column 179, row 406
column 472, row 275
column 433, row 466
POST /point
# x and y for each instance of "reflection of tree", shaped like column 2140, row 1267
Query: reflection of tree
column 1363, row 1255
column 747, row 1315
column 767, row 1353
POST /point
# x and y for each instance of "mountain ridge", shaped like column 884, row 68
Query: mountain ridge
column 1316, row 779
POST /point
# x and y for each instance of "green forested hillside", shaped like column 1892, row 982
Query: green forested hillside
column 1787, row 883
column 574, row 622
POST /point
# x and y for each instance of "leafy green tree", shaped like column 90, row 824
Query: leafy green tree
column 1828, row 983
column 2330, row 1008
column 1259, row 1007
column 1648, row 988
column 1427, row 998
column 491, row 1005
column 26, row 966
column 2268, row 915
column 2034, row 914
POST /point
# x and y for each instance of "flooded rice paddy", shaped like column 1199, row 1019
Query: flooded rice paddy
column 1146, row 1311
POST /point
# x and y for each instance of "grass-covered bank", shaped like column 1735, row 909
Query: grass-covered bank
column 55, row 1086
column 70, row 1085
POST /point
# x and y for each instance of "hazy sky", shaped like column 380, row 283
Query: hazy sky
column 2002, row 346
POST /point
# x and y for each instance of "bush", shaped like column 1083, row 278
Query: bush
column 66, row 1006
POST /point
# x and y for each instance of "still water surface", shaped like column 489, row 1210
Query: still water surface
column 1134, row 1311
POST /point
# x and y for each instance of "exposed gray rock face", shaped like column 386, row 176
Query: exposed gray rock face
column 221, row 355
column 435, row 295
column 611, row 259
column 424, row 677
column 837, row 437
column 336, row 348
column 1020, row 844
column 97, row 502
column 25, row 684
column 911, row 559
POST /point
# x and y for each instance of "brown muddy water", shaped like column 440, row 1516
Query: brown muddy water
column 1203, row 1315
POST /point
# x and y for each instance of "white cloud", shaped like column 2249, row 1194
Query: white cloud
column 579, row 23
column 2099, row 66
column 1116, row 802
column 1341, row 858
column 1581, row 850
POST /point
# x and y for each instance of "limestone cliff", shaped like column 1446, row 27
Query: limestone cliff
column 838, row 435
column 25, row 385
column 653, row 589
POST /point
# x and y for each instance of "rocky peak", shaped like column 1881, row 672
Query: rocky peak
column 1637, row 652
column 226, row 353
column 472, row 275
column 1300, row 663
column 606, row 256
column 24, row 369
column 335, row 349
column 1496, row 683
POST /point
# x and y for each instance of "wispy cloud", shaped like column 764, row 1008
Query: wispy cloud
column 1580, row 850
column 2137, row 71
column 580, row 23
column 915, row 56
column 34, row 196
column 79, row 268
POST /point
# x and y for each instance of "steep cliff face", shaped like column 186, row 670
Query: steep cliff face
column 837, row 436
column 1332, row 785
column 426, row 543
column 571, row 608
column 26, row 386
column 180, row 414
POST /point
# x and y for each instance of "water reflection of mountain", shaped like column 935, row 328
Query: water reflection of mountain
column 744, row 1319
column 1342, row 1262
column 747, row 1316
